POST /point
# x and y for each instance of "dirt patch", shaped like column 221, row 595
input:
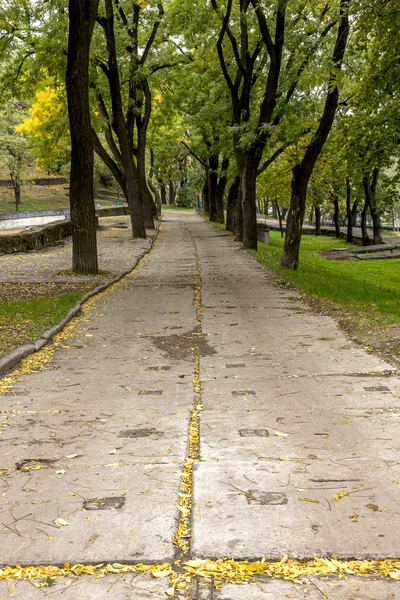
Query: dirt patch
column 182, row 346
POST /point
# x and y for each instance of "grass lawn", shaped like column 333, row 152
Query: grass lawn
column 24, row 321
column 370, row 286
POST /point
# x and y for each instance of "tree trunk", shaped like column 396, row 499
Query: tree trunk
column 206, row 196
column 82, row 15
column 249, row 180
column 364, row 232
column 354, row 213
column 278, row 210
column 370, row 196
column 317, row 219
column 163, row 192
column 231, row 204
column 336, row 214
column 16, row 183
column 212, row 186
column 171, row 192
column 349, row 236
column 239, row 215
column 294, row 221
column 223, row 179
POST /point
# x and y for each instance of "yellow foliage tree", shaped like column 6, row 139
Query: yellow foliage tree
column 47, row 130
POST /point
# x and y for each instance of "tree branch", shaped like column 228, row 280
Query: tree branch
column 151, row 39
column 108, row 161
column 220, row 51
column 262, row 23
column 205, row 165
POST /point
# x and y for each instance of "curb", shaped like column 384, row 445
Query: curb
column 11, row 360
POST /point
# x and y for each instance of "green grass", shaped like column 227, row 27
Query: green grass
column 371, row 286
column 23, row 321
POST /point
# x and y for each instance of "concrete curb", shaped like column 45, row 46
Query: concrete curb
column 11, row 360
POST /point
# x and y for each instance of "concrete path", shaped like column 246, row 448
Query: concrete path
column 198, row 365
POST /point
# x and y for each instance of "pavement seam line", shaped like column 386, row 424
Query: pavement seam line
column 37, row 360
column 181, row 582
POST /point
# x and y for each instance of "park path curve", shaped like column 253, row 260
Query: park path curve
column 199, row 361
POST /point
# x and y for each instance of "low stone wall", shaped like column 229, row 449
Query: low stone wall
column 115, row 211
column 35, row 238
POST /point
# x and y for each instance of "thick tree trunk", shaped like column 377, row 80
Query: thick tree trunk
column 249, row 180
column 294, row 221
column 349, row 236
column 171, row 192
column 231, row 204
column 336, row 214
column 370, row 196
column 317, row 219
column 82, row 15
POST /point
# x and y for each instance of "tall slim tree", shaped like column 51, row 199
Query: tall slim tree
column 82, row 16
column 302, row 171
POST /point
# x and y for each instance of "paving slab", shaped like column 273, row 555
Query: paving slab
column 127, row 587
column 114, row 513
column 354, row 588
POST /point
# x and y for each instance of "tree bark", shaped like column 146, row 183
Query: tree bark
column 239, row 215
column 212, row 186
column 16, row 183
column 231, row 204
column 317, row 219
column 82, row 16
column 364, row 232
column 249, row 209
column 294, row 221
column 278, row 210
column 349, row 236
column 336, row 214
column 370, row 196
column 171, row 192
column 163, row 192
column 206, row 196
column 223, row 179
